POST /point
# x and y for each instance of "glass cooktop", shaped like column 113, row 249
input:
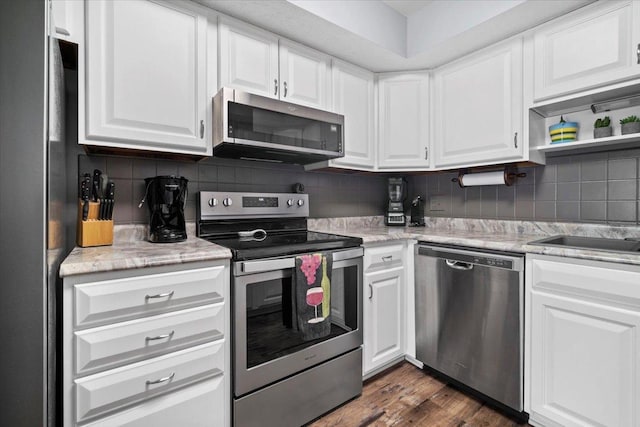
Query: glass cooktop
column 279, row 244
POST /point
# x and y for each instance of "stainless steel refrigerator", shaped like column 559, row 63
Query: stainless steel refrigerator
column 33, row 187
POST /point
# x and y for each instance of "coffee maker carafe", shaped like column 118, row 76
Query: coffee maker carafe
column 397, row 196
column 166, row 197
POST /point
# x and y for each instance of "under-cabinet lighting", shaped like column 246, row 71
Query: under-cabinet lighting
column 616, row 104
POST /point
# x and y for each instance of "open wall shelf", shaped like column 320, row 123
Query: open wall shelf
column 615, row 142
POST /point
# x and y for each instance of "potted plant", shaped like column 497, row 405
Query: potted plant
column 630, row 124
column 602, row 128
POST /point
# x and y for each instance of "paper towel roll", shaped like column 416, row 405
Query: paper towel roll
column 483, row 178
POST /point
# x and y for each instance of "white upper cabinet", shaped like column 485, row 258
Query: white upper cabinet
column 305, row 75
column 146, row 77
column 259, row 62
column 478, row 108
column 590, row 48
column 248, row 58
column 353, row 97
column 403, row 103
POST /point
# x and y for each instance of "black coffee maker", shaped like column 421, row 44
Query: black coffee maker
column 166, row 197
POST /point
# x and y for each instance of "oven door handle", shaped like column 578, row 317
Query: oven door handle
column 268, row 265
column 274, row 264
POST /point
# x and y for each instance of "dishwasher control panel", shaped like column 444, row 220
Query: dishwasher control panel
column 493, row 262
column 460, row 256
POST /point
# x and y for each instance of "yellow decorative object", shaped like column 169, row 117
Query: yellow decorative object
column 563, row 131
column 326, row 289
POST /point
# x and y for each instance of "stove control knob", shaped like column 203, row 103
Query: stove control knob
column 290, row 202
column 227, row 202
column 213, row 202
column 300, row 203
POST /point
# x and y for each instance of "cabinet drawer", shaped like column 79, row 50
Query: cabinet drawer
column 111, row 390
column 202, row 404
column 126, row 342
column 383, row 257
column 128, row 298
column 601, row 282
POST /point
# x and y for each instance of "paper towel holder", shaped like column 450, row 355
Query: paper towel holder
column 510, row 174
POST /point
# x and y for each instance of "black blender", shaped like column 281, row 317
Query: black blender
column 166, row 197
column 397, row 196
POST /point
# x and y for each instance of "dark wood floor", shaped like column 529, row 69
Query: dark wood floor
column 405, row 395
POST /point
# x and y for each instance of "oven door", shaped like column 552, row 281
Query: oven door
column 267, row 346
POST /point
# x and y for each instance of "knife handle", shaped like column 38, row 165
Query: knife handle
column 85, row 209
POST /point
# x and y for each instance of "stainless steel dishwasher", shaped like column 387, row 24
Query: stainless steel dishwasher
column 469, row 318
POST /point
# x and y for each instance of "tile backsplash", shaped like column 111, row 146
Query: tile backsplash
column 596, row 188
column 331, row 194
column 593, row 188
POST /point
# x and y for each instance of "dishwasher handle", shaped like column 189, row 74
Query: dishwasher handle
column 464, row 257
column 459, row 265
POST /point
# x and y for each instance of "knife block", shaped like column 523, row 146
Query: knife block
column 93, row 231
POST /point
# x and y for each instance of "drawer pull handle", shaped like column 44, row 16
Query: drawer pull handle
column 387, row 258
column 162, row 380
column 160, row 337
column 165, row 295
column 370, row 291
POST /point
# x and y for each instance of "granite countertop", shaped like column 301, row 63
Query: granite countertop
column 134, row 252
column 131, row 250
column 487, row 234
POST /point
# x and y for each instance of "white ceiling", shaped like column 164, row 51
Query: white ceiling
column 407, row 7
column 374, row 36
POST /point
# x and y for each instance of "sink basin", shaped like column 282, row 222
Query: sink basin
column 595, row 243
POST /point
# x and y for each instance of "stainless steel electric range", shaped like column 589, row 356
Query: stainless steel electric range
column 279, row 378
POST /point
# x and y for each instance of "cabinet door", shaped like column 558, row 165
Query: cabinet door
column 304, row 75
column 383, row 327
column 584, row 350
column 591, row 48
column 248, row 58
column 403, row 120
column 146, row 76
column 584, row 362
column 353, row 97
column 478, row 108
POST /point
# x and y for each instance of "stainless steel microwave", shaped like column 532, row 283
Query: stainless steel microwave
column 253, row 127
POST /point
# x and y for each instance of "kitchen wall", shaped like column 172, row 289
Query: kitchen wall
column 596, row 188
column 331, row 194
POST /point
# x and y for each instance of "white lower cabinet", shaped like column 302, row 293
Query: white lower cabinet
column 383, row 307
column 583, row 350
column 188, row 407
column 167, row 366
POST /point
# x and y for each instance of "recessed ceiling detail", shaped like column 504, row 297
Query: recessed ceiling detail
column 396, row 35
column 407, row 7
